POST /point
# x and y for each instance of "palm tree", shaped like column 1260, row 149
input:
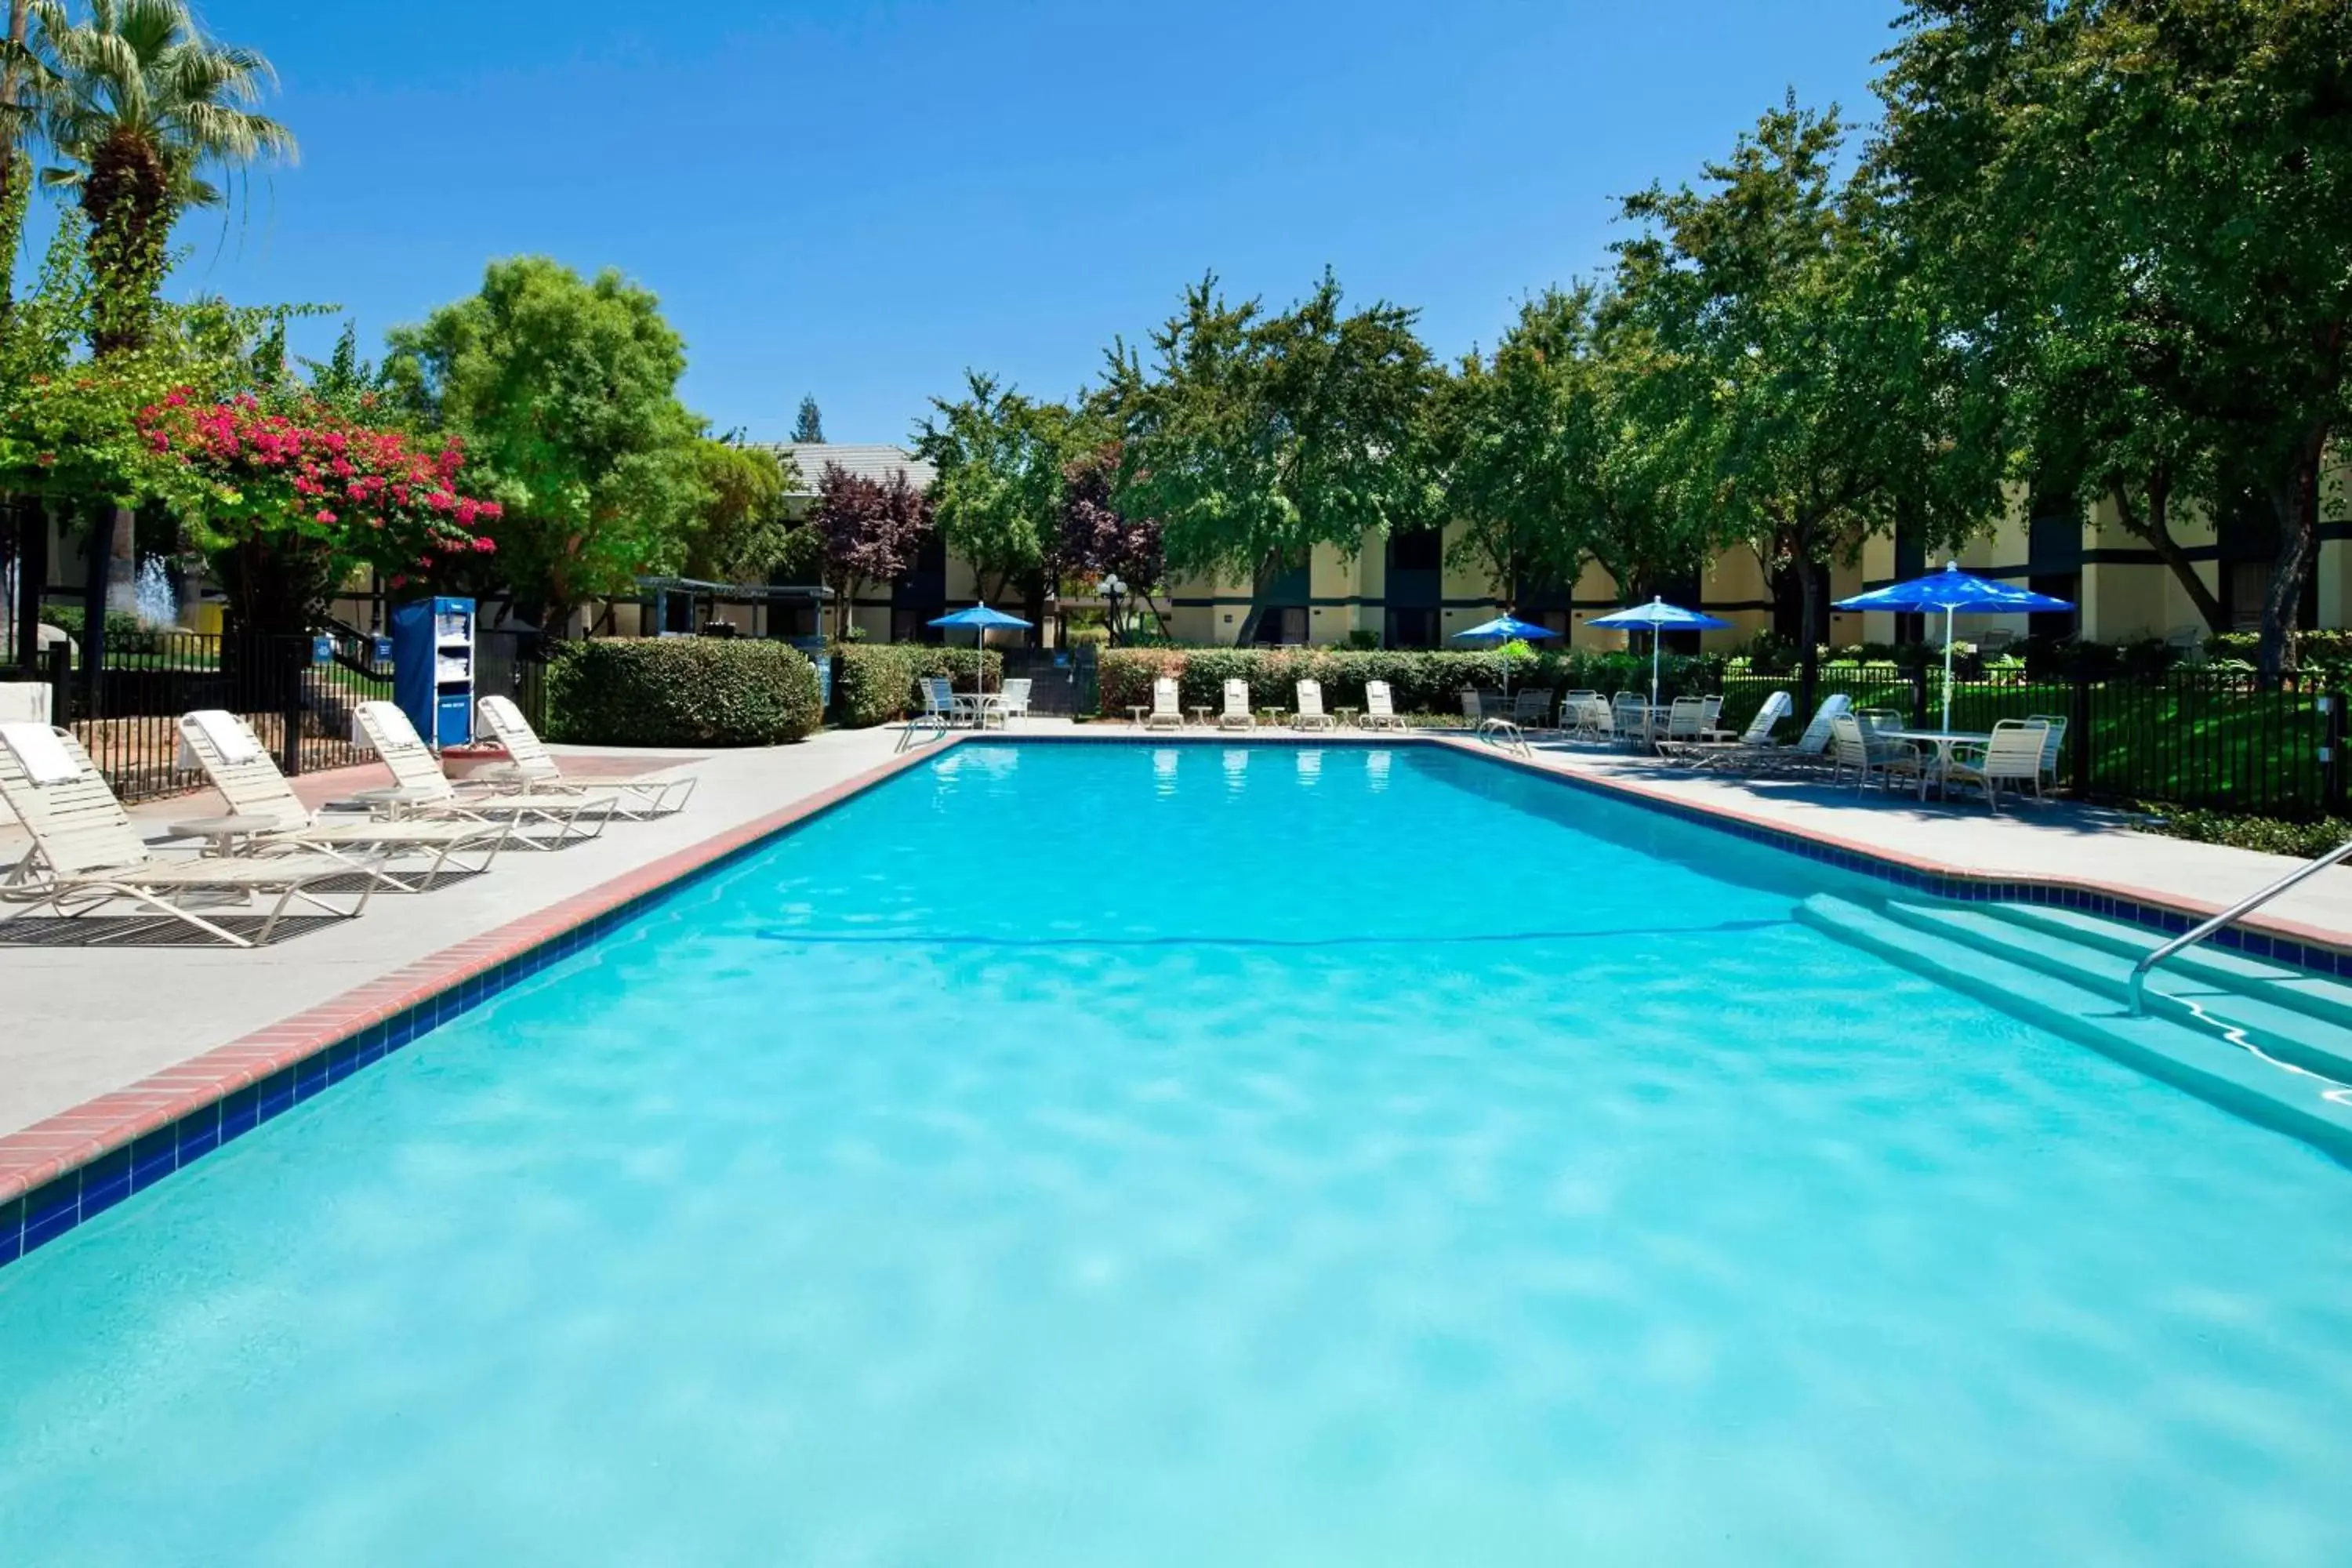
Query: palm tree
column 143, row 111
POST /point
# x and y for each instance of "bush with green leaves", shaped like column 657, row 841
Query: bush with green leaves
column 2271, row 835
column 874, row 683
column 680, row 691
column 1419, row 681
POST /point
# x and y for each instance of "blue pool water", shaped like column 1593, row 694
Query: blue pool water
column 1086, row 1155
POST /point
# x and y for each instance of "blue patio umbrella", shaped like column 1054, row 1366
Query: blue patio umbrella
column 1505, row 628
column 1653, row 618
column 1952, row 591
column 982, row 620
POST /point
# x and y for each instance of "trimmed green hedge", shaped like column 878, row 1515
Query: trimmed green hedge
column 874, row 683
column 1420, row 682
column 2271, row 835
column 680, row 691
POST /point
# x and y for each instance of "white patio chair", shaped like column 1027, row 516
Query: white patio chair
column 1686, row 718
column 2050, row 743
column 1870, row 756
column 1629, row 720
column 1532, row 709
column 2011, row 759
column 939, row 700
column 1013, row 702
column 1582, row 715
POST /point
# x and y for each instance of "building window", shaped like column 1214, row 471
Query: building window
column 1413, row 628
column 1421, row 550
column 1282, row 626
column 2066, row 586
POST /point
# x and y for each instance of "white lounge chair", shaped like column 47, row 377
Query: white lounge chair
column 1236, row 714
column 1714, row 748
column 241, row 768
column 1165, row 712
column 1013, row 702
column 87, row 854
column 1811, row 748
column 1380, row 707
column 2012, row 758
column 421, row 789
column 532, row 766
column 1310, row 714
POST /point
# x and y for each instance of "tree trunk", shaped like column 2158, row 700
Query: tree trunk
column 123, row 562
column 2295, row 499
column 2155, row 527
column 127, row 199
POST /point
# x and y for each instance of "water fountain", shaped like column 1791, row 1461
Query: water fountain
column 159, row 604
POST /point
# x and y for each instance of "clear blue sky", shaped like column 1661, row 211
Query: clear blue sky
column 860, row 200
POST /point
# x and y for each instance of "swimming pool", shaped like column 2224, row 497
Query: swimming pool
column 1084, row 1154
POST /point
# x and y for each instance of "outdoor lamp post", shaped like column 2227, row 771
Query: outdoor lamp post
column 1112, row 588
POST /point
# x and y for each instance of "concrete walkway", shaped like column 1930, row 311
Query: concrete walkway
column 76, row 1023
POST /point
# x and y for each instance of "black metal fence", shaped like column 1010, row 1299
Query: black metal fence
column 126, row 713
column 2213, row 739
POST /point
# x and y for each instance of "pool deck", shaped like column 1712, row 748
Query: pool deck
column 98, row 1043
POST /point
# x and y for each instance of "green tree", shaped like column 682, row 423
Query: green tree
column 808, row 428
column 564, row 393
column 23, row 80
column 741, row 531
column 1823, row 406
column 1570, row 444
column 145, row 112
column 996, row 496
column 1252, row 437
column 2147, row 205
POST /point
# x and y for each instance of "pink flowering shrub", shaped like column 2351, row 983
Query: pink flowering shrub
column 301, row 477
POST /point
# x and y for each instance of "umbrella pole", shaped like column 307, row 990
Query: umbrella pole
column 1947, row 669
column 1654, row 667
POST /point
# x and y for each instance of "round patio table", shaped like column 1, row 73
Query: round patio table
column 1271, row 717
column 1135, row 713
column 1943, row 741
column 1347, row 717
column 1201, row 711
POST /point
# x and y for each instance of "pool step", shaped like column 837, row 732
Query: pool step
column 2324, row 998
column 2197, row 1060
column 2301, row 1039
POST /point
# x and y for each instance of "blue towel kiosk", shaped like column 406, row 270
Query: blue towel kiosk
column 433, row 669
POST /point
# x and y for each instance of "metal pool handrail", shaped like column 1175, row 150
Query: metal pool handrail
column 2251, row 902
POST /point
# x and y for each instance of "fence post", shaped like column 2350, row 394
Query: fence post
column 2078, row 726
column 61, row 685
column 291, row 654
column 1918, row 696
column 2331, row 753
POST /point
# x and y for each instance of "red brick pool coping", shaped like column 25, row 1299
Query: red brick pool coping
column 74, row 1138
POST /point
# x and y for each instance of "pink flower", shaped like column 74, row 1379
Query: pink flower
column 326, row 517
